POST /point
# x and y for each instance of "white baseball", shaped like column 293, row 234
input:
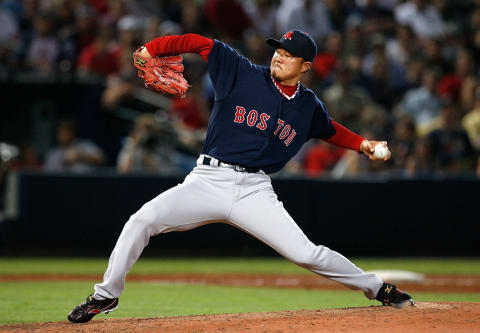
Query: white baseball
column 381, row 151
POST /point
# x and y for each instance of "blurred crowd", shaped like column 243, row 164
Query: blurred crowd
column 402, row 71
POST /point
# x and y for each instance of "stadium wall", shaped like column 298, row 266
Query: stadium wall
column 68, row 214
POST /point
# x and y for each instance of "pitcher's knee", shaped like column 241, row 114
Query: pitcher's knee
column 308, row 256
column 147, row 218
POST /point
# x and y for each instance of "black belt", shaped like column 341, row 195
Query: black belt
column 236, row 167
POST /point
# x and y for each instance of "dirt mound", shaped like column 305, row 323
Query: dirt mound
column 437, row 317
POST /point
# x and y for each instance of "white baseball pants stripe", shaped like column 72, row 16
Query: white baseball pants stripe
column 245, row 200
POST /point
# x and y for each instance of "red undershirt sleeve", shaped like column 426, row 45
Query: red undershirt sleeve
column 178, row 44
column 344, row 138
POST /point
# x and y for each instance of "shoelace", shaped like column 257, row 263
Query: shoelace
column 88, row 302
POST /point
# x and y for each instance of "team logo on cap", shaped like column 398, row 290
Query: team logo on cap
column 288, row 35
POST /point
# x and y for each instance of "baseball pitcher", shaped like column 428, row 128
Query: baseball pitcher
column 260, row 119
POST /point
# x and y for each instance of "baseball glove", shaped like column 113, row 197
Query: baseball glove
column 164, row 74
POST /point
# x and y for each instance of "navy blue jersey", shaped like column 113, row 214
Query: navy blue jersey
column 251, row 123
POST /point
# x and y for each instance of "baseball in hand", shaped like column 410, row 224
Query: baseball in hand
column 381, row 151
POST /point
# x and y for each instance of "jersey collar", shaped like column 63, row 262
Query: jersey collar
column 281, row 91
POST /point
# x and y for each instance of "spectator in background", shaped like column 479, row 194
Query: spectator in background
column 151, row 29
column 283, row 14
column 27, row 158
column 128, row 37
column 403, row 143
column 379, row 83
column 65, row 31
column 29, row 11
column 9, row 24
column 111, row 12
column 344, row 99
column 321, row 157
column 450, row 147
column 431, row 51
column 256, row 48
column 262, row 14
column 72, row 154
column 383, row 77
column 450, row 84
column 228, row 16
column 120, row 85
column 193, row 20
column 9, row 37
column 192, row 110
column 8, row 155
column 337, row 11
column 467, row 94
column 420, row 163
column 310, row 80
column 138, row 151
column 147, row 8
column 86, row 26
column 150, row 148
column 478, row 167
column 422, row 104
column 413, row 73
column 311, row 16
column 424, row 18
column 471, row 121
column 377, row 18
column 355, row 42
column 154, row 27
column 326, row 60
column 377, row 51
column 375, row 119
column 474, row 37
column 129, row 31
column 401, row 48
column 43, row 50
column 99, row 58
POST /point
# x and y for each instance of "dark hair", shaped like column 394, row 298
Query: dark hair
column 68, row 123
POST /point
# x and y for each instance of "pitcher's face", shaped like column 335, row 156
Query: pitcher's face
column 285, row 66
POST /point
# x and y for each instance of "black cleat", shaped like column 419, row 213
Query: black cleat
column 390, row 295
column 88, row 309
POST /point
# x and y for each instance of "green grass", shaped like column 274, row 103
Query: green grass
column 51, row 301
column 24, row 302
column 229, row 265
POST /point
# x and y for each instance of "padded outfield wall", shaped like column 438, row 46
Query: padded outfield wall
column 84, row 214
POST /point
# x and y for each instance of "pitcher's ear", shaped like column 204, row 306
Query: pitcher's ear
column 306, row 66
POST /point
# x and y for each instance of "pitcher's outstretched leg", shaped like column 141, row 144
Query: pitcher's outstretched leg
column 264, row 217
column 181, row 208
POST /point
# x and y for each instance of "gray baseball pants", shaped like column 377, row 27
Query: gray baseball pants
column 213, row 193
